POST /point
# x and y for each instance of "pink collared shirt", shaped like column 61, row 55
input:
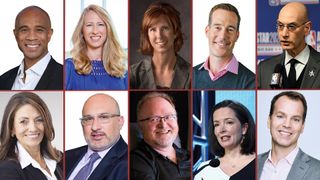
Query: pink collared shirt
column 280, row 170
column 232, row 67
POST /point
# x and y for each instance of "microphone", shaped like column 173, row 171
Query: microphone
column 276, row 77
column 213, row 163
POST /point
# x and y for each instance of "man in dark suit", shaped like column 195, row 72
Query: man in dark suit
column 299, row 64
column 286, row 160
column 106, row 155
column 38, row 70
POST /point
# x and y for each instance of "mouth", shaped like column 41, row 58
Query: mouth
column 163, row 132
column 284, row 133
column 225, row 138
column 222, row 44
column 97, row 135
column 95, row 38
column 32, row 46
column 286, row 43
column 33, row 135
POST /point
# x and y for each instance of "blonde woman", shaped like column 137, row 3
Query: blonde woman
column 98, row 61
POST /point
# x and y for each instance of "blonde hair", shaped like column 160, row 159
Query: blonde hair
column 113, row 56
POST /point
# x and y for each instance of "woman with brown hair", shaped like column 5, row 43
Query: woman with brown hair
column 26, row 134
column 98, row 61
column 160, row 39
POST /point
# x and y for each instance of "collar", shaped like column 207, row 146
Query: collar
column 302, row 57
column 289, row 158
column 25, row 159
column 38, row 68
column 232, row 66
column 101, row 153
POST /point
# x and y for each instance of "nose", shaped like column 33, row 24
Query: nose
column 287, row 123
column 32, row 35
column 159, row 33
column 32, row 126
column 285, row 32
column 95, row 124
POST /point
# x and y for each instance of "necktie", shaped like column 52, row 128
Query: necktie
column 292, row 79
column 85, row 170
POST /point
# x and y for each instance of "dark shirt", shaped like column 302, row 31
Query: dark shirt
column 146, row 163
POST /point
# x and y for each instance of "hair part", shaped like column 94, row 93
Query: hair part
column 113, row 56
column 244, row 116
column 8, row 142
column 292, row 95
column 154, row 11
column 227, row 7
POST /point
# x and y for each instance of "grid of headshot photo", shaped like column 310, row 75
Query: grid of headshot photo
column 159, row 90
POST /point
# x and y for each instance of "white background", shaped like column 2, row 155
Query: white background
column 308, row 141
column 73, row 111
column 11, row 56
column 245, row 47
column 54, row 101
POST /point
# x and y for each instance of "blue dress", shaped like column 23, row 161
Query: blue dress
column 98, row 79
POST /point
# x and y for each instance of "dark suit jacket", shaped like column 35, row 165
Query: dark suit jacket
column 304, row 167
column 11, row 170
column 52, row 78
column 114, row 165
column 266, row 68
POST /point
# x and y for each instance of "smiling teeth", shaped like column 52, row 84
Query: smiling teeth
column 32, row 46
column 33, row 135
column 95, row 37
column 285, row 133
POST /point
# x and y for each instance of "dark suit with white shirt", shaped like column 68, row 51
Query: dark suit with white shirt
column 311, row 76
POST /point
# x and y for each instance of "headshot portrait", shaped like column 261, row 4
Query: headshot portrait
column 224, row 135
column 160, row 45
column 32, row 41
column 287, row 44
column 99, row 120
column 287, row 148
column 31, row 135
column 223, row 45
column 96, row 57
column 159, row 135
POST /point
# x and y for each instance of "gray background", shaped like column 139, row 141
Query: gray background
column 138, row 7
column 54, row 101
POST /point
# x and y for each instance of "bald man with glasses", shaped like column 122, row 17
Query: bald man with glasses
column 299, row 64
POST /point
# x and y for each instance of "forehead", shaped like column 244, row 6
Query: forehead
column 99, row 104
column 26, row 109
column 91, row 16
column 162, row 19
column 156, row 105
column 224, row 16
column 287, row 105
column 223, row 113
column 33, row 16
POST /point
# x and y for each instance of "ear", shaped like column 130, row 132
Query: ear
column 207, row 31
column 268, row 122
column 238, row 34
column 121, row 122
column 244, row 128
column 307, row 28
column 50, row 32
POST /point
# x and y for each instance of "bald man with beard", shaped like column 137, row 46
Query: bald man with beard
column 293, row 25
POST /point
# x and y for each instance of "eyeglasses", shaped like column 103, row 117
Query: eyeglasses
column 157, row 119
column 103, row 118
column 291, row 27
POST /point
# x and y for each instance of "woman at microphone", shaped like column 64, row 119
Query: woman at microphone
column 232, row 140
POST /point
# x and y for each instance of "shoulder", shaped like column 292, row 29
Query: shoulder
column 10, row 169
column 196, row 68
column 272, row 61
column 244, row 70
column 309, row 159
column 69, row 62
column 11, row 72
column 142, row 64
column 182, row 62
column 76, row 151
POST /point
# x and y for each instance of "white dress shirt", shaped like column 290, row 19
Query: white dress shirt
column 85, row 159
column 33, row 74
column 302, row 57
column 279, row 171
column 25, row 160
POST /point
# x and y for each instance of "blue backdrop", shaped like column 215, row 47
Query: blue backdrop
column 267, row 15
